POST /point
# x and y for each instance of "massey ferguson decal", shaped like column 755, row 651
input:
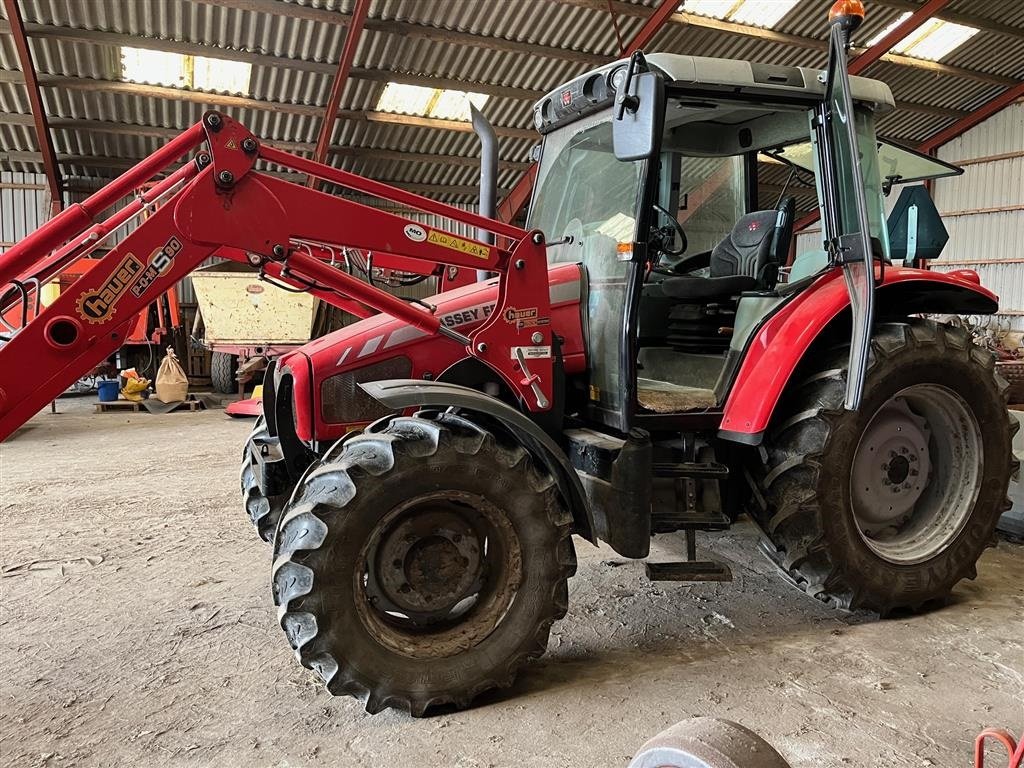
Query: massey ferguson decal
column 97, row 305
column 464, row 316
column 525, row 318
column 159, row 263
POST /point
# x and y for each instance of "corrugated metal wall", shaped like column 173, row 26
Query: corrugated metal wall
column 984, row 208
column 24, row 205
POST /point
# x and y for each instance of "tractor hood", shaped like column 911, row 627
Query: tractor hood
column 326, row 372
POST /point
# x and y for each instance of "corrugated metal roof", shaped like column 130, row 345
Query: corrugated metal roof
column 398, row 39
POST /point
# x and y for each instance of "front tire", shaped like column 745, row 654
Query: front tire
column 422, row 564
column 889, row 506
column 263, row 511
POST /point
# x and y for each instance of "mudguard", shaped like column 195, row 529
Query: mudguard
column 782, row 341
column 399, row 394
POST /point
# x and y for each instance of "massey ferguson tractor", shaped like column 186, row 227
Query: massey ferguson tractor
column 641, row 363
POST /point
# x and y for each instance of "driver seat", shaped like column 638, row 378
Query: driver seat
column 747, row 259
column 703, row 309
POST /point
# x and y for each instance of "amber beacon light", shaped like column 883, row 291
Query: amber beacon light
column 848, row 11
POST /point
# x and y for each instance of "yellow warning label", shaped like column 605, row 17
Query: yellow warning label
column 462, row 245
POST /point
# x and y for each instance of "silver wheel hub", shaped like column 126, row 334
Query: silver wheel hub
column 916, row 474
column 892, row 466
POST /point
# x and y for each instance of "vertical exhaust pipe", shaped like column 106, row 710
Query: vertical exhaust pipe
column 488, row 176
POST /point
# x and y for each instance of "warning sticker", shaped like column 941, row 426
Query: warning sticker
column 531, row 353
column 460, row 244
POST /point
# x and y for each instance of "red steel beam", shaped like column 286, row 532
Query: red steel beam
column 42, row 127
column 900, row 32
column 964, row 124
column 348, row 54
column 520, row 194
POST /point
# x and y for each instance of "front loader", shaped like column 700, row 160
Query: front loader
column 644, row 362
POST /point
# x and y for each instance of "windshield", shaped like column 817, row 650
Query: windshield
column 585, row 193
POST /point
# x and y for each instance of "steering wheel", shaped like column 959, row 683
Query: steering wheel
column 665, row 236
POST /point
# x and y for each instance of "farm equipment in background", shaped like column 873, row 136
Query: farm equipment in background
column 247, row 320
column 634, row 367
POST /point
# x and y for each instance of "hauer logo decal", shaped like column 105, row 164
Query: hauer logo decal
column 159, row 263
column 754, row 226
column 97, row 305
column 415, row 232
column 525, row 318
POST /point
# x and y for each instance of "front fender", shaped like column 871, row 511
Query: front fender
column 399, row 394
column 784, row 339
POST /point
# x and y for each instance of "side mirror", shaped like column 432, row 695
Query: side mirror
column 639, row 116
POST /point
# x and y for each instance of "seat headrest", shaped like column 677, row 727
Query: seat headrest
column 751, row 229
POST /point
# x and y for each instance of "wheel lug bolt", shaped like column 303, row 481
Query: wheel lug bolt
column 397, row 563
column 405, row 589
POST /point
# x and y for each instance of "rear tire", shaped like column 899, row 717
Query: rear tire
column 222, row 373
column 422, row 564
column 889, row 506
column 263, row 511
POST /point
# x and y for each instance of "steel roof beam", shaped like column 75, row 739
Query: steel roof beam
column 42, row 130
column 409, row 29
column 900, row 32
column 117, row 39
column 348, row 55
column 968, row 19
column 246, row 102
column 982, row 113
column 98, row 37
column 771, row 35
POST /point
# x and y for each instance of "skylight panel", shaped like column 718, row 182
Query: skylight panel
column 406, row 99
column 442, row 103
column 932, row 40
column 220, row 75
column 759, row 13
column 716, row 9
column 141, row 65
column 762, row 13
column 154, row 67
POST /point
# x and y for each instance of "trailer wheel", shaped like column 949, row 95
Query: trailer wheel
column 222, row 372
column 263, row 511
column 890, row 506
column 707, row 742
column 422, row 564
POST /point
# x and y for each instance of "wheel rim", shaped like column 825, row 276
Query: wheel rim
column 438, row 574
column 915, row 474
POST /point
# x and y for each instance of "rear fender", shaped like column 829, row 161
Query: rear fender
column 777, row 348
column 400, row 394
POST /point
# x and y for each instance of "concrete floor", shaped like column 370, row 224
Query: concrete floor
column 136, row 628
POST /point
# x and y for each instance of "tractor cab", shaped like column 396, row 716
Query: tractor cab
column 684, row 253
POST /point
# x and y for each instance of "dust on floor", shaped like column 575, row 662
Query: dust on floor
column 136, row 628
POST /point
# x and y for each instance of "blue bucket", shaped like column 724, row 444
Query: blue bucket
column 107, row 391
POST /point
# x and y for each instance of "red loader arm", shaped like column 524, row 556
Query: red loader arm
column 218, row 202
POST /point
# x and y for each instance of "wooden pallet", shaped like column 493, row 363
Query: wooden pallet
column 130, row 406
column 119, row 406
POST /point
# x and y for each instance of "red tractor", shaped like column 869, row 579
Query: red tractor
column 637, row 366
